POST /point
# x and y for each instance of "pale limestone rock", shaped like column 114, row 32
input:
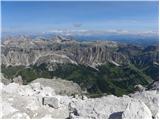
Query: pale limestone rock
column 65, row 100
column 7, row 109
column 26, row 91
column 18, row 80
column 11, row 88
column 36, row 87
column 150, row 98
column 108, row 107
column 52, row 102
column 60, row 86
column 48, row 116
column 136, row 110
column 57, row 101
column 19, row 115
column 47, row 91
column 31, row 90
column 101, row 108
column 1, row 86
column 25, row 101
column 31, row 103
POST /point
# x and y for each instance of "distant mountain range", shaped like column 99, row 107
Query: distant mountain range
column 97, row 66
column 121, row 36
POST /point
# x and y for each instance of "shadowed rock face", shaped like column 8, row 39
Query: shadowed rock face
column 153, row 86
column 116, row 115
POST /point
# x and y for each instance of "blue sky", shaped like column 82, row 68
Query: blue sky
column 48, row 16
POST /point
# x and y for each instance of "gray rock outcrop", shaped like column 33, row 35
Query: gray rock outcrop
column 137, row 110
column 150, row 98
column 110, row 107
column 38, row 101
column 60, row 86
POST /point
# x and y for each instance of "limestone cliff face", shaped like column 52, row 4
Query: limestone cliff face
column 27, row 51
column 31, row 52
column 94, row 55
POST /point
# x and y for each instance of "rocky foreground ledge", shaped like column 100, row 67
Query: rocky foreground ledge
column 38, row 101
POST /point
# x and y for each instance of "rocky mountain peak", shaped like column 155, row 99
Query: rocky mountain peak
column 61, row 39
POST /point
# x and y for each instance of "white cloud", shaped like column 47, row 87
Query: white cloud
column 102, row 32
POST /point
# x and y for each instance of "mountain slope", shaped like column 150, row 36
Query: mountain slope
column 98, row 67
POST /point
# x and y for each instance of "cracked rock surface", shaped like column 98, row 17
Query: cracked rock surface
column 38, row 101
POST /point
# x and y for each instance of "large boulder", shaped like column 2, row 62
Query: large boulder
column 99, row 108
column 137, row 110
column 62, row 87
column 139, row 105
column 52, row 102
column 150, row 98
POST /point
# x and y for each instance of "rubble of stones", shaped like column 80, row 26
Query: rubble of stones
column 38, row 101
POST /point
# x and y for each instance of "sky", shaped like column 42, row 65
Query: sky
column 49, row 16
